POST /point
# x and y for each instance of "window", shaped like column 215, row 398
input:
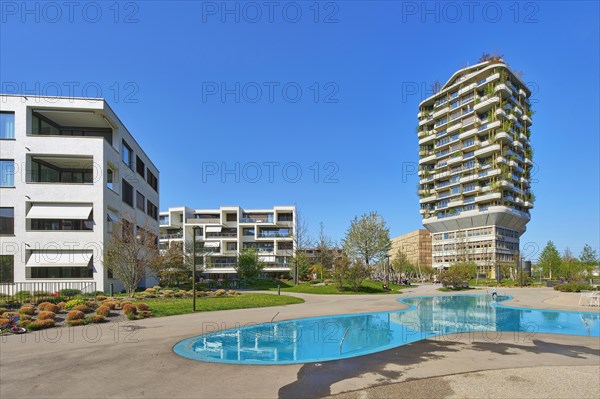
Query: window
column 127, row 192
column 127, row 155
column 232, row 246
column 62, row 224
column 231, row 217
column 152, row 180
column 7, row 125
column 152, row 210
column 7, row 173
column 285, row 217
column 7, row 268
column 248, row 231
column 140, row 166
column 285, row 245
column 60, row 272
column 140, row 201
column 7, row 221
column 110, row 178
column 46, row 172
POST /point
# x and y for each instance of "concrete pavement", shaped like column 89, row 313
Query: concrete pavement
column 135, row 360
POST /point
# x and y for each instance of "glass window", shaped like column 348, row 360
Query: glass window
column 231, row 217
column 232, row 246
column 7, row 173
column 127, row 192
column 285, row 217
column 7, row 125
column 127, row 155
column 152, row 180
column 7, row 268
column 7, row 221
column 140, row 166
column 140, row 201
column 110, row 176
column 248, row 231
column 152, row 210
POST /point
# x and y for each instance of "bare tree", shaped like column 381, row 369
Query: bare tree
column 301, row 241
column 129, row 252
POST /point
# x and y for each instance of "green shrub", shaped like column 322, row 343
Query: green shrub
column 75, row 315
column 103, row 311
column 316, row 281
column 573, row 287
column 40, row 324
column 46, row 315
column 96, row 319
column 77, row 322
column 69, row 292
column 74, row 302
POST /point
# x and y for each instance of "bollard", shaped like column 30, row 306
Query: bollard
column 278, row 289
column 111, row 289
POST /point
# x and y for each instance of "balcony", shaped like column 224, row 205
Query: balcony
column 484, row 103
column 503, row 88
column 488, row 197
column 220, row 235
column 487, row 150
column 70, row 123
column 204, row 220
column 60, row 170
column 267, row 218
column 441, row 112
column 171, row 236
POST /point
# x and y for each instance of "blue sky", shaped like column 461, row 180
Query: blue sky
column 332, row 88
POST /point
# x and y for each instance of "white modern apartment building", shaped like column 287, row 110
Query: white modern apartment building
column 475, row 166
column 69, row 170
column 221, row 234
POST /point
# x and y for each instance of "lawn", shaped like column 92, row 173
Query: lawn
column 367, row 287
column 169, row 307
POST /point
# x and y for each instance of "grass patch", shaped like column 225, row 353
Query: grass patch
column 175, row 306
column 367, row 287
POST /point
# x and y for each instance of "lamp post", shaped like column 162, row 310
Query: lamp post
column 194, row 268
column 387, row 271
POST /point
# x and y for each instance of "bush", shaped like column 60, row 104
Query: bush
column 27, row 309
column 4, row 321
column 50, row 307
column 121, row 305
column 69, row 292
column 220, row 292
column 46, row 315
column 109, row 304
column 8, row 315
column 316, row 281
column 42, row 306
column 129, row 308
column 101, row 298
column 77, row 322
column 40, row 324
column 83, row 308
column 74, row 302
column 150, row 291
column 61, row 305
column 97, row 319
column 75, row 315
column 328, row 281
column 103, row 311
column 573, row 287
column 142, row 307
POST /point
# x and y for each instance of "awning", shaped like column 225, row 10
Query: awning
column 212, row 244
column 59, row 211
column 213, row 229
column 112, row 217
column 59, row 259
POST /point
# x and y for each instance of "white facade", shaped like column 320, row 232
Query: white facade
column 475, row 166
column 67, row 184
column 221, row 234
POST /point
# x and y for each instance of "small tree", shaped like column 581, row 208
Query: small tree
column 248, row 264
column 324, row 246
column 368, row 239
column 356, row 274
column 588, row 259
column 173, row 265
column 340, row 271
column 550, row 260
column 458, row 274
column 401, row 265
column 129, row 252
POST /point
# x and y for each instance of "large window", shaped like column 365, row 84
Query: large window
column 152, row 210
column 7, row 125
column 140, row 166
column 7, row 268
column 127, row 192
column 42, row 126
column 62, row 224
column 60, row 272
column 285, row 217
column 7, row 221
column 46, row 172
column 110, row 178
column 152, row 180
column 140, row 201
column 248, row 231
column 7, row 173
column 127, row 155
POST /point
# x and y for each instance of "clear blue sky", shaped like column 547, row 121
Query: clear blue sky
column 373, row 62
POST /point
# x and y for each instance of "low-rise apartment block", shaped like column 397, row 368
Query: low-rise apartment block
column 221, row 234
column 69, row 171
column 416, row 245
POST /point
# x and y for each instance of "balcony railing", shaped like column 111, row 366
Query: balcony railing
column 171, row 236
column 266, row 219
column 221, row 234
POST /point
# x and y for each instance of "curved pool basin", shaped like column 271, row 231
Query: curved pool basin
column 319, row 339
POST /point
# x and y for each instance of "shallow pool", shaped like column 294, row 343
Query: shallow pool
column 337, row 337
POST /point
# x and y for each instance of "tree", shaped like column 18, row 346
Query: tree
column 550, row 260
column 129, row 252
column 340, row 271
column 173, row 265
column 248, row 264
column 367, row 239
column 458, row 274
column 324, row 246
column 356, row 274
column 301, row 240
column 317, row 269
column 302, row 264
column 493, row 57
column 588, row 258
column 401, row 265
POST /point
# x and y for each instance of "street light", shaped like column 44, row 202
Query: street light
column 387, row 271
column 194, row 268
